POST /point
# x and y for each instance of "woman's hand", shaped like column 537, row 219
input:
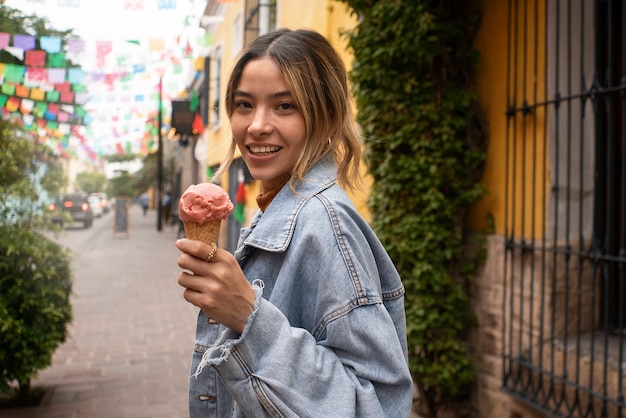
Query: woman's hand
column 217, row 286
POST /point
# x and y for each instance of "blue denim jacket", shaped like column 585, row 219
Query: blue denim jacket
column 327, row 337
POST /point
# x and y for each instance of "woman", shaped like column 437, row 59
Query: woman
column 307, row 318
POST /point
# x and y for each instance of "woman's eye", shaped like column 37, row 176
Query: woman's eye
column 285, row 106
column 242, row 105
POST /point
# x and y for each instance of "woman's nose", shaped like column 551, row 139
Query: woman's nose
column 261, row 123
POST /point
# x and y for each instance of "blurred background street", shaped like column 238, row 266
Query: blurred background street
column 129, row 344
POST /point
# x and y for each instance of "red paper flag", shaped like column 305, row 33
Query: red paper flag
column 12, row 104
column 35, row 58
column 240, row 202
column 36, row 75
column 67, row 97
column 133, row 4
column 197, row 125
column 103, row 48
column 63, row 87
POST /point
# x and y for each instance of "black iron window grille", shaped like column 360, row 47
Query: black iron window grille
column 564, row 307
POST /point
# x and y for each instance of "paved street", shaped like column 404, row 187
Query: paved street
column 129, row 345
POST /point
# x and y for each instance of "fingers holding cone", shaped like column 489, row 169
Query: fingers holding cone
column 212, row 252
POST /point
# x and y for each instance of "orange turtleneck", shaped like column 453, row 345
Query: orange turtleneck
column 265, row 197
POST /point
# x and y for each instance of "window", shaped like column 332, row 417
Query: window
column 564, row 345
column 216, row 95
column 260, row 18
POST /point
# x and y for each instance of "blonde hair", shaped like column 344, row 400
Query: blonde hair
column 317, row 79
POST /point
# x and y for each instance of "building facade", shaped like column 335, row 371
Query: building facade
column 551, row 297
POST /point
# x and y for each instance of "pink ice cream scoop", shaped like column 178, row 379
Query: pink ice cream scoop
column 204, row 202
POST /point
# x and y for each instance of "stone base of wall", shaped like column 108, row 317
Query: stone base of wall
column 486, row 299
column 558, row 351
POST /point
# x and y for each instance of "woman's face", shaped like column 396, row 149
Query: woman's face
column 267, row 126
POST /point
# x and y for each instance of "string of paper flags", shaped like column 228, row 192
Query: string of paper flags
column 109, row 107
column 49, row 96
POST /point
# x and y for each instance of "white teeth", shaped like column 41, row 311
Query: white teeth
column 262, row 150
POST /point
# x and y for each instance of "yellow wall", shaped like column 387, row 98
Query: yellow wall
column 491, row 82
column 332, row 18
column 219, row 137
column 303, row 14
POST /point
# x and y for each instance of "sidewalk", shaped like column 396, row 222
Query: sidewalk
column 130, row 343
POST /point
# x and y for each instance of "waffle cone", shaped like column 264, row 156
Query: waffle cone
column 207, row 232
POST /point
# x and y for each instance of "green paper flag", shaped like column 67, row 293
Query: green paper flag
column 14, row 73
column 53, row 96
column 57, row 60
column 194, row 102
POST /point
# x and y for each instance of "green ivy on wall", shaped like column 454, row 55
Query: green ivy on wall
column 424, row 145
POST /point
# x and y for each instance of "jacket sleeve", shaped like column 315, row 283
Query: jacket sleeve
column 278, row 370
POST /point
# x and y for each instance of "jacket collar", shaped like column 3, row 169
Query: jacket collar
column 273, row 229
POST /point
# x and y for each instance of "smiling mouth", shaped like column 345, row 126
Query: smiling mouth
column 263, row 151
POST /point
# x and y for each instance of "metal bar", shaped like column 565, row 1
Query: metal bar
column 568, row 205
column 505, row 372
column 556, row 157
column 595, row 92
column 622, row 232
column 524, row 383
column 506, row 345
column 581, row 217
column 536, row 384
column 515, row 352
column 609, row 205
column 544, row 195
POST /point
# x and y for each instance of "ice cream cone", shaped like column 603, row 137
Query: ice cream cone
column 202, row 208
column 207, row 232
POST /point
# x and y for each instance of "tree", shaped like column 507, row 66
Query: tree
column 90, row 182
column 35, row 288
column 35, row 275
column 127, row 184
column 122, row 185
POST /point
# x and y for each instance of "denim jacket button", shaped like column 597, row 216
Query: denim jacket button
column 206, row 398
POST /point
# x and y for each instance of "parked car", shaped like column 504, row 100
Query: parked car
column 96, row 206
column 74, row 207
column 104, row 201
